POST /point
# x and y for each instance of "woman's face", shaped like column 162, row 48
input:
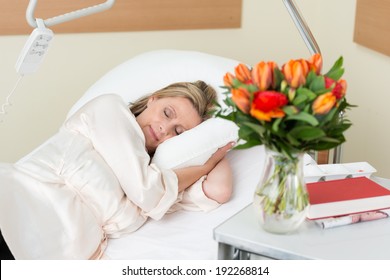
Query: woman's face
column 166, row 117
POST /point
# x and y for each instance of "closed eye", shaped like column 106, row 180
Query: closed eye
column 179, row 130
column 168, row 113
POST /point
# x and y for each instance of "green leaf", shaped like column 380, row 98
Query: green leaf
column 299, row 99
column 336, row 71
column 337, row 64
column 307, row 133
column 330, row 140
column 292, row 140
column 290, row 110
column 310, row 77
column 335, row 74
column 248, row 144
column 305, row 117
column 244, row 132
column 278, row 77
column 322, row 91
column 318, row 84
column 251, row 88
column 236, row 83
column 306, row 92
column 255, row 127
column 331, row 115
column 275, row 125
column 327, row 144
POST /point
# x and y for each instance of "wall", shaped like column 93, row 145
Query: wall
column 76, row 61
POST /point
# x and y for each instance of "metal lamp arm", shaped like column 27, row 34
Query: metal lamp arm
column 68, row 16
column 302, row 27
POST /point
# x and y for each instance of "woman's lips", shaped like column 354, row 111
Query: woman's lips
column 153, row 134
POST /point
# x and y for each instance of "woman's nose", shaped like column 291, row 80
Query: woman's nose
column 162, row 129
column 165, row 128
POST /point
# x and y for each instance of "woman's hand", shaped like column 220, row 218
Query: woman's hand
column 189, row 175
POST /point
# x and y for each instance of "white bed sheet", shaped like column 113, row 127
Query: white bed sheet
column 189, row 235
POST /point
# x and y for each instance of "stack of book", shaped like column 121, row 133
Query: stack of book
column 347, row 201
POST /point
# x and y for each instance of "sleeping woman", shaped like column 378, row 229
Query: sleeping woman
column 93, row 180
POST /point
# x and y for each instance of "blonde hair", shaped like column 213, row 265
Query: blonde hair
column 201, row 95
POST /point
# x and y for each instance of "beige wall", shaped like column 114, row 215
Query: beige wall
column 75, row 61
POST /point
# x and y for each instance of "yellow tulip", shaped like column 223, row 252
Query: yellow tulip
column 324, row 103
column 267, row 116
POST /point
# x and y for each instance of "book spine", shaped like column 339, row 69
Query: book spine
column 353, row 219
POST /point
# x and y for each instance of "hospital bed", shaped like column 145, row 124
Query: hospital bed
column 181, row 234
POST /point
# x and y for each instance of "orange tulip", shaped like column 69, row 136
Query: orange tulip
column 243, row 74
column 315, row 63
column 295, row 72
column 228, row 79
column 324, row 103
column 240, row 97
column 267, row 105
column 262, row 74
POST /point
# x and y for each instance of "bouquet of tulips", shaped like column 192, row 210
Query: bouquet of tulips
column 291, row 109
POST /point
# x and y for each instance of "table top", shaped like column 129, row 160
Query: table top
column 367, row 240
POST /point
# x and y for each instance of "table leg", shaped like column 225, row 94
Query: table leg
column 225, row 251
column 228, row 252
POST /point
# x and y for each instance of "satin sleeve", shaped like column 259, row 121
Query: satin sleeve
column 194, row 199
column 117, row 137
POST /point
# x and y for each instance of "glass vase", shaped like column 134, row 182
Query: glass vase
column 281, row 198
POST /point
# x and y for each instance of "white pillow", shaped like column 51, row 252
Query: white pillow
column 150, row 71
column 195, row 146
column 154, row 70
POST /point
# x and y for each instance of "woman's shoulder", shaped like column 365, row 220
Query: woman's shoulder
column 110, row 103
column 107, row 99
column 107, row 107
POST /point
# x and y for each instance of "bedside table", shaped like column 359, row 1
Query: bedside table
column 241, row 235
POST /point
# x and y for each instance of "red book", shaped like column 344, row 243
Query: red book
column 346, row 196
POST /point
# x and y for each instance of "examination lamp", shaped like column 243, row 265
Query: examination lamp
column 37, row 44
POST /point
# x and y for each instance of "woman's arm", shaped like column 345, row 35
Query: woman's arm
column 218, row 185
column 189, row 175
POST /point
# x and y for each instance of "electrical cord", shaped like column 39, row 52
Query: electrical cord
column 8, row 103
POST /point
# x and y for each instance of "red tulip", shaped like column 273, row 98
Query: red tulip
column 340, row 87
column 268, row 104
